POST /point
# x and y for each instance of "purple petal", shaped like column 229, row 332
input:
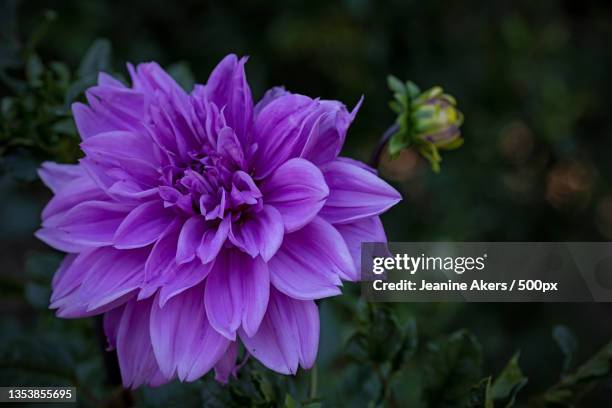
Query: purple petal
column 111, row 321
column 227, row 87
column 190, row 238
column 60, row 240
column 288, row 334
column 96, row 281
column 223, row 295
column 310, row 262
column 183, row 341
column 294, row 125
column 213, row 240
column 160, row 260
column 143, row 226
column 56, row 176
column 363, row 230
column 117, row 144
column 297, row 190
column 134, row 349
column 76, row 191
column 256, row 291
column 121, row 155
column 149, row 78
column 93, row 223
column 355, row 193
column 237, row 292
column 89, row 122
column 183, row 277
column 270, row 95
column 328, row 133
column 260, row 233
column 306, row 317
column 226, row 366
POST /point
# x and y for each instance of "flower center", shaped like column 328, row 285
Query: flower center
column 211, row 185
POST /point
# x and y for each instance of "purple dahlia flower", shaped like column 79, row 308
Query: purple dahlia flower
column 197, row 220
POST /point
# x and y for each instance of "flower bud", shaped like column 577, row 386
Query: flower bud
column 426, row 120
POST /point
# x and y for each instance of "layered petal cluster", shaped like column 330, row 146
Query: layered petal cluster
column 199, row 220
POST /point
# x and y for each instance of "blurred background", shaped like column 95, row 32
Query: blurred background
column 532, row 79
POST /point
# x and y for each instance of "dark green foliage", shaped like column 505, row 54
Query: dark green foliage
column 453, row 365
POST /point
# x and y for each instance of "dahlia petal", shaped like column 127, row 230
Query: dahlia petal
column 108, row 80
column 229, row 146
column 226, row 366
column 311, row 261
column 182, row 338
column 294, row 276
column 161, row 259
column 211, row 348
column 355, row 193
column 190, row 238
column 56, row 176
column 134, row 350
column 223, row 296
column 60, row 240
column 270, row 95
column 89, row 122
column 213, row 240
column 93, row 223
column 183, row 277
column 237, row 292
column 278, row 129
column 227, row 87
column 363, row 230
column 112, row 274
column 261, row 234
column 318, row 252
column 97, row 281
column 256, row 291
column 294, row 125
column 111, row 116
column 306, row 315
column 327, row 135
column 76, row 191
column 149, row 78
column 72, row 307
column 120, row 143
column 297, row 190
column 122, row 101
column 67, row 278
column 143, row 226
column 278, row 344
column 123, row 155
column 110, row 322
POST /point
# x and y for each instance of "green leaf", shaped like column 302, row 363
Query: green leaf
column 290, row 402
column 396, row 85
column 452, row 366
column 509, row 382
column 595, row 368
column 567, row 342
column 34, row 70
column 480, row 395
column 97, row 59
column 589, row 374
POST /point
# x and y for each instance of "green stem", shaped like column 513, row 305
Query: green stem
column 313, row 382
column 377, row 154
